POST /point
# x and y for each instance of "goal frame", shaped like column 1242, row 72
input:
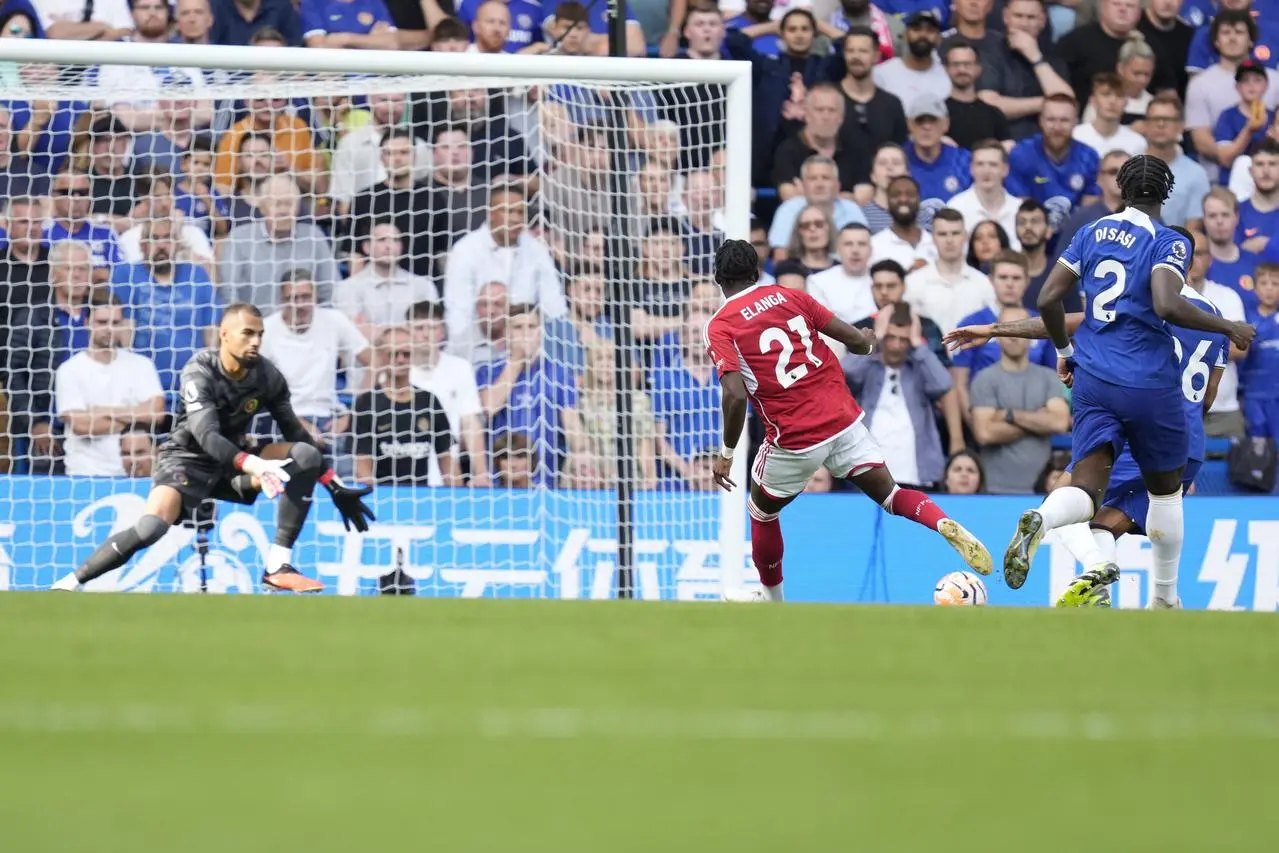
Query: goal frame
column 735, row 76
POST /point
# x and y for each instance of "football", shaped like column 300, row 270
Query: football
column 960, row 589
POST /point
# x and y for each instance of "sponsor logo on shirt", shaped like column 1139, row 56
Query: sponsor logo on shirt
column 1040, row 180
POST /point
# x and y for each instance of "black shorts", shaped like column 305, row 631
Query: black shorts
column 197, row 478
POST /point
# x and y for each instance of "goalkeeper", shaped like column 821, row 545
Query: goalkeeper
column 222, row 390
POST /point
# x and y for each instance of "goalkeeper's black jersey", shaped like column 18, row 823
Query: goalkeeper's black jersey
column 216, row 411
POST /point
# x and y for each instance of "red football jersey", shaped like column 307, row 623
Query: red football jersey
column 769, row 335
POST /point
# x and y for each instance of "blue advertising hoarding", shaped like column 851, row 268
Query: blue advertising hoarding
column 840, row 548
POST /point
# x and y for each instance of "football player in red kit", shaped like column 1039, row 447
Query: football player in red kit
column 765, row 344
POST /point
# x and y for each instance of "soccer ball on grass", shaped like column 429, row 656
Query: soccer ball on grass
column 963, row 589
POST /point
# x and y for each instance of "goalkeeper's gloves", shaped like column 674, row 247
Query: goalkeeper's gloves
column 270, row 472
column 348, row 503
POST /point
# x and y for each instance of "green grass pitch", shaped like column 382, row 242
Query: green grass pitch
column 187, row 724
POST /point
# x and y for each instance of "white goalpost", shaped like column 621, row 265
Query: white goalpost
column 484, row 277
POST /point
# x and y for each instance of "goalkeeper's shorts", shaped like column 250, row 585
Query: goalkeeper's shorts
column 197, row 478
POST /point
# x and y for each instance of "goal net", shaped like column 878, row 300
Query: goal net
column 485, row 279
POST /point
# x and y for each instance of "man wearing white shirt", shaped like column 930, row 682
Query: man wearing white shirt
column 819, row 177
column 918, row 72
column 845, row 287
column 948, row 290
column 1224, row 419
column 987, row 199
column 84, row 20
column 382, row 293
column 904, row 241
column 1105, row 133
column 158, row 204
column 104, row 391
column 503, row 251
column 307, row 343
column 357, row 163
column 452, row 380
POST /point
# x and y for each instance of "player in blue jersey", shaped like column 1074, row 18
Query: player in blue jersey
column 1127, row 386
column 1202, row 358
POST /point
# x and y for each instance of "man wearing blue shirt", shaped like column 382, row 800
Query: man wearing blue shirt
column 362, row 24
column 1231, row 266
column 1245, row 124
column 758, row 12
column 526, row 21
column 72, row 201
column 173, row 305
column 235, row 22
column 942, row 170
column 1265, row 51
column 1259, row 215
column 1053, row 168
column 597, row 18
column 526, row 392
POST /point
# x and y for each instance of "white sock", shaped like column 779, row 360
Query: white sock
column 1078, row 541
column 69, row 582
column 1165, row 526
column 773, row 593
column 277, row 556
column 1107, row 546
column 1067, row 505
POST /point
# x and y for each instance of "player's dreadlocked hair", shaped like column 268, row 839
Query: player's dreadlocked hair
column 1145, row 179
column 736, row 264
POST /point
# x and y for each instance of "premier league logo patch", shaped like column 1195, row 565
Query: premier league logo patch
column 1076, row 182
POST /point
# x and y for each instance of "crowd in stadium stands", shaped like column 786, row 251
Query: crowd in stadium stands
column 435, row 266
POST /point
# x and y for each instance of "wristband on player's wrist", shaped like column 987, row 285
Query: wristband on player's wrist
column 239, row 460
column 1068, row 351
column 726, row 451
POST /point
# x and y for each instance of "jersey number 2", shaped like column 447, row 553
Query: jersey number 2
column 1102, row 305
column 777, row 335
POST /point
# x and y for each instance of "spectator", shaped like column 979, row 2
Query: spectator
column 113, row 183
column 1051, row 167
column 947, row 289
column 1019, row 76
column 1136, row 68
column 179, row 123
column 173, row 305
column 258, row 254
column 686, row 402
column 452, row 381
column 888, row 288
column 16, row 177
column 700, row 226
column 1164, row 128
column 904, row 241
column 1213, row 90
column 1169, row 39
column 964, row 474
column 987, row 199
column 357, row 163
column 44, row 335
column 1105, row 131
column 194, row 194
column 514, row 461
column 577, row 186
column 449, row 36
column 237, row 22
column 1017, row 407
column 1055, row 473
column 941, row 170
column 1107, row 182
column 918, row 72
column 255, row 161
column 308, row 343
column 823, row 118
column 1203, row 46
column 596, row 466
column 525, row 392
column 889, row 163
column 1259, row 215
column 1244, row 125
column 102, row 20
column 757, row 18
column 1034, row 232
column 855, row 15
column 382, row 293
column 456, row 201
column 899, row 387
column 351, row 24
column 811, row 249
column 290, row 140
column 399, row 198
column 1224, row 418
column 1231, row 264
column 70, row 221
column 491, row 27
column 399, row 428
column 971, row 119
column 868, row 108
column 1010, row 277
column 845, row 287
column 487, row 338
column 1260, row 371
column 137, row 454
column 157, row 203
column 586, row 323
column 819, row 182
column 103, row 391
column 1094, row 48
column 193, row 22
column 24, row 260
column 987, row 240
column 635, row 45
column 501, row 250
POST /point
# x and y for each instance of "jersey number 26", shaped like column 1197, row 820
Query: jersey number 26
column 775, row 336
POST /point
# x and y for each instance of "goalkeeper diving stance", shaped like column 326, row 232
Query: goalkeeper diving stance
column 222, row 390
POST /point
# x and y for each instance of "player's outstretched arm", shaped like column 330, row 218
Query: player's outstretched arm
column 1172, row 307
column 1060, row 281
column 855, row 340
column 733, row 403
column 968, row 337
